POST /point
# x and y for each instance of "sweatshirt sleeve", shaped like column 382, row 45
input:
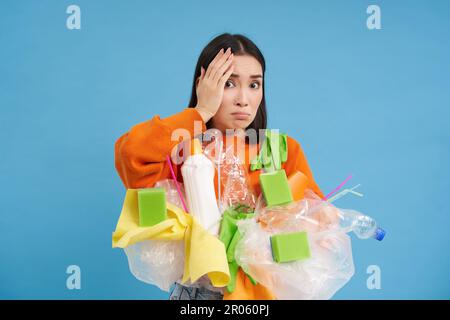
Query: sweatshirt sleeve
column 297, row 161
column 140, row 154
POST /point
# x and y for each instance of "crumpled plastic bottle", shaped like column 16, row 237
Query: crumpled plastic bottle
column 233, row 185
column 237, row 190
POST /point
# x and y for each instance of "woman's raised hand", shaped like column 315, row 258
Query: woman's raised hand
column 211, row 84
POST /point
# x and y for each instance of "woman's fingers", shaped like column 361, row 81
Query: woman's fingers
column 218, row 63
column 218, row 55
column 222, row 69
column 226, row 76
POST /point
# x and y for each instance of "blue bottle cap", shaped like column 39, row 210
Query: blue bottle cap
column 379, row 234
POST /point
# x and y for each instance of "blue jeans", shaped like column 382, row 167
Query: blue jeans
column 181, row 292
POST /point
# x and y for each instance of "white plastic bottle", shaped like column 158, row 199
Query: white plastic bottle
column 198, row 176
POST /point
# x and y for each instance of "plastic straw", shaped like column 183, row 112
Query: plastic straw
column 337, row 188
column 344, row 192
column 176, row 183
column 219, row 182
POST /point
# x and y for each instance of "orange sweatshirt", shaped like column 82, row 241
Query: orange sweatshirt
column 140, row 154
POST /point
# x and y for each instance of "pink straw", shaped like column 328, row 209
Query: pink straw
column 176, row 183
column 337, row 189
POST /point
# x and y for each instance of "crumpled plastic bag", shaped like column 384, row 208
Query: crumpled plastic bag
column 310, row 214
column 170, row 188
column 319, row 277
column 159, row 262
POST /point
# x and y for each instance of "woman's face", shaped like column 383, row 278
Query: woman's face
column 242, row 95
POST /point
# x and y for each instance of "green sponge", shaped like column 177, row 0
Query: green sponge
column 288, row 247
column 152, row 206
column 275, row 188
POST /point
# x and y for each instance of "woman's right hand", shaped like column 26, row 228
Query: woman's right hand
column 211, row 84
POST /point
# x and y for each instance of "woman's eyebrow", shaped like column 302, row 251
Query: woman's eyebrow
column 253, row 76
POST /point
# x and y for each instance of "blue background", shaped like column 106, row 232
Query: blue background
column 374, row 103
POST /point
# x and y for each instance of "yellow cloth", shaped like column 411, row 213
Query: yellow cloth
column 204, row 253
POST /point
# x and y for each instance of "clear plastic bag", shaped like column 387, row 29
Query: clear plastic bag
column 157, row 262
column 328, row 269
column 172, row 195
column 319, row 277
column 310, row 214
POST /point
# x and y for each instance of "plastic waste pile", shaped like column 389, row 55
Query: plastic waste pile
column 287, row 240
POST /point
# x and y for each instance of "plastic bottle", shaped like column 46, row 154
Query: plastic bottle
column 363, row 226
column 198, row 176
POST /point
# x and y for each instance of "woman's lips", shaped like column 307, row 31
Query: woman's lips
column 240, row 115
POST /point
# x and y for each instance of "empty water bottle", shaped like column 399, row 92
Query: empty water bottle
column 363, row 226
